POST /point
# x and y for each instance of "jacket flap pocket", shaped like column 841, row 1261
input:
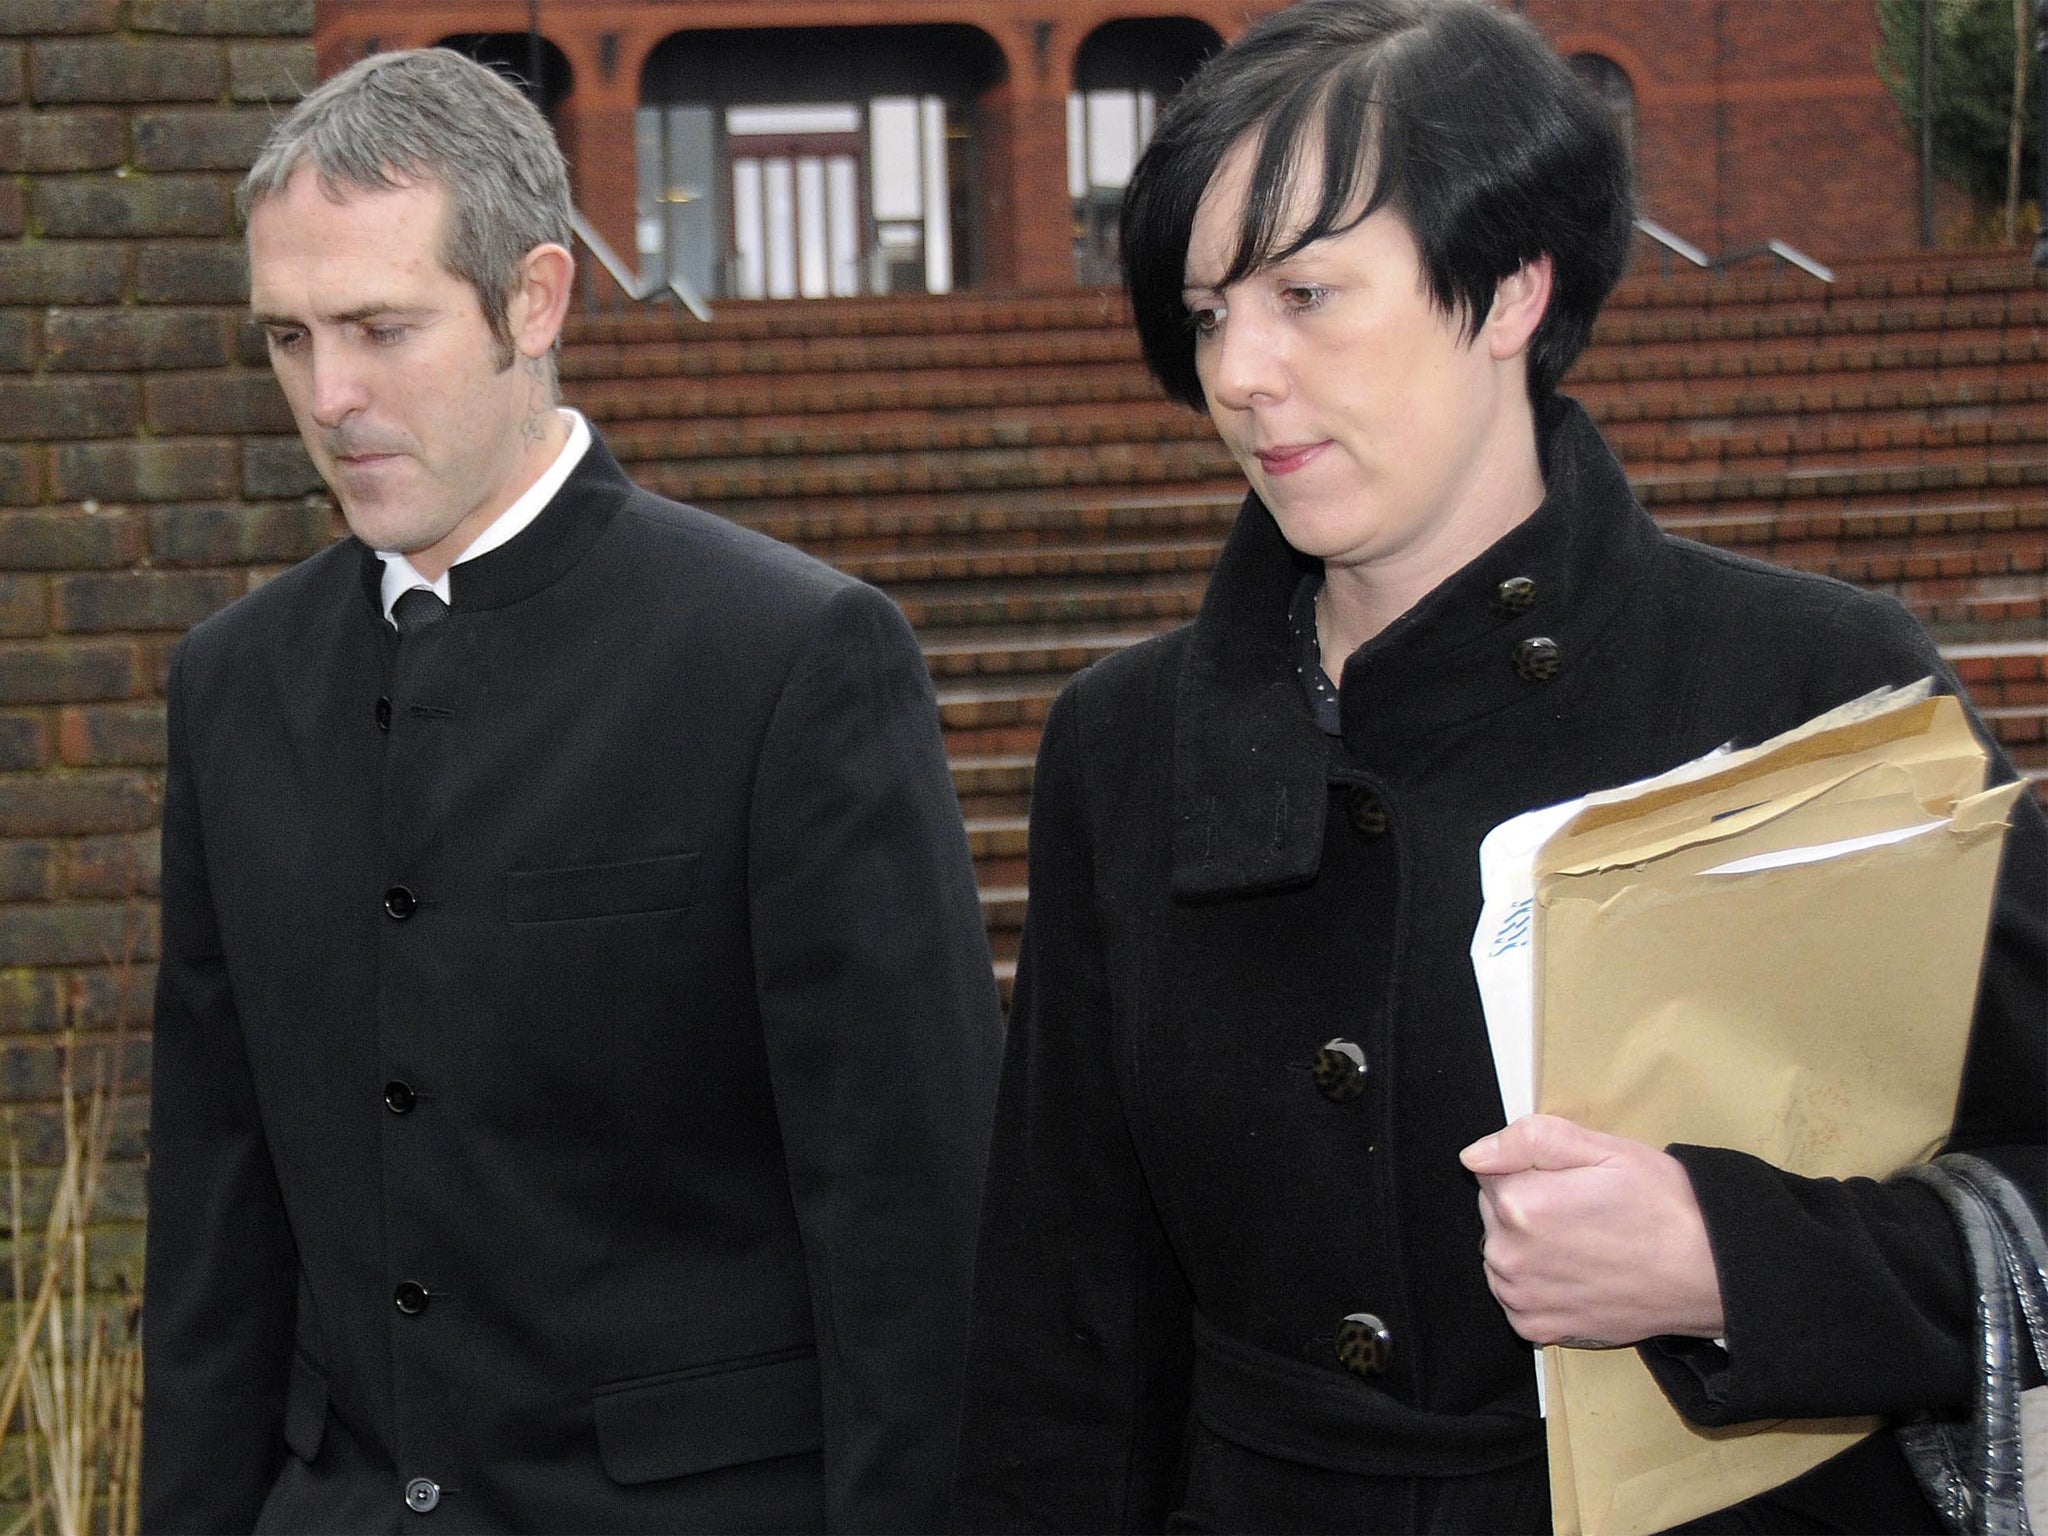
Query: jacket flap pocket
column 601, row 890
column 693, row 1421
column 305, row 1409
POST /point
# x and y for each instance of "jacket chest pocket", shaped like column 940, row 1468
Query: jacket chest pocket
column 662, row 884
column 721, row 1416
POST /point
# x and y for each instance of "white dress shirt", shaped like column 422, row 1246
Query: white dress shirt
column 399, row 575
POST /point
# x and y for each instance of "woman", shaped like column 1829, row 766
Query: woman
column 1233, row 1273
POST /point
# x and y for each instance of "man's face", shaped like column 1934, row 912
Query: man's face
column 397, row 384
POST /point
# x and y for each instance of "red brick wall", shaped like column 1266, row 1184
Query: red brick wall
column 1756, row 118
column 148, row 475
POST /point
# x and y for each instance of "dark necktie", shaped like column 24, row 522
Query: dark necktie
column 416, row 609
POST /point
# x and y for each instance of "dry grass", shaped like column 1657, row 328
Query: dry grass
column 72, row 1385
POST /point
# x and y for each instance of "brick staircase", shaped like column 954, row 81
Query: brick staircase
column 1003, row 468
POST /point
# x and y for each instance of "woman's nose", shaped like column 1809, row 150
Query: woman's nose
column 1247, row 367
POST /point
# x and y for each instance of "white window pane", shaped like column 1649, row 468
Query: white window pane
column 938, row 217
column 1077, row 147
column 778, row 188
column 746, row 228
column 812, row 281
column 842, row 190
column 793, row 118
column 1112, row 137
column 892, row 141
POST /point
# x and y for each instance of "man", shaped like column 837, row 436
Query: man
column 575, row 1039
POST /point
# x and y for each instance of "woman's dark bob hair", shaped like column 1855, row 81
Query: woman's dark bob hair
column 1454, row 114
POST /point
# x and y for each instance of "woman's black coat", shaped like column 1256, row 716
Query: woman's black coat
column 1178, row 1221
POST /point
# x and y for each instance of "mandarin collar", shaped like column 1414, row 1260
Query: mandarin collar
column 541, row 553
column 1251, row 771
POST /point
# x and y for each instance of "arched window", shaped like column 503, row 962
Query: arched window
column 806, row 162
column 1123, row 72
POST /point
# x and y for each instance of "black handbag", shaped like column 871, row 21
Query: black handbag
column 1974, row 1470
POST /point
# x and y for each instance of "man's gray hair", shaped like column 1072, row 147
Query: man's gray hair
column 431, row 115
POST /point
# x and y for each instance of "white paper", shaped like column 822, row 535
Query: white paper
column 1503, row 958
column 1817, row 853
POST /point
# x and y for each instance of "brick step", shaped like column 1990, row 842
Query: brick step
column 899, row 432
column 869, row 315
column 997, row 784
column 806, row 397
column 727, row 484
column 1696, row 493
column 1886, row 279
column 993, row 717
column 1002, row 913
column 1022, row 655
column 929, row 521
column 2023, row 731
column 894, row 572
column 1888, row 540
column 852, row 481
column 1870, row 318
column 1967, row 286
column 1943, row 274
column 1989, row 357
column 2003, row 675
column 971, row 608
column 998, row 845
column 703, row 357
column 800, row 409
column 1685, row 408
column 1939, row 573
column 1881, row 440
column 694, row 378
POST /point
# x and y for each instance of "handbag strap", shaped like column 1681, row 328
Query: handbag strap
column 2026, row 1249
column 1995, row 1484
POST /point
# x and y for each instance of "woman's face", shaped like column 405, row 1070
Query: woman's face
column 1379, row 438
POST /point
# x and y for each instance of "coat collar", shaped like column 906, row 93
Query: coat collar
column 542, row 552
column 1251, row 771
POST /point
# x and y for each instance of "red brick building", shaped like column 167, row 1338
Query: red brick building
column 803, row 147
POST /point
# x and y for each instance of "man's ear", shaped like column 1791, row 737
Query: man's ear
column 540, row 298
column 1520, row 301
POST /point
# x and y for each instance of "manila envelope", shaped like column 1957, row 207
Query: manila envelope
column 1813, row 1013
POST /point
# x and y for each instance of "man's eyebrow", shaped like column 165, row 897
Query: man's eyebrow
column 356, row 316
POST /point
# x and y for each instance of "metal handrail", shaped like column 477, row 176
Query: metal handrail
column 1791, row 255
column 1673, row 243
column 633, row 286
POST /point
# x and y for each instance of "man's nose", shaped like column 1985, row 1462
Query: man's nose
column 336, row 386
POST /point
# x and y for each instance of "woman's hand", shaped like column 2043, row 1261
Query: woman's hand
column 1592, row 1240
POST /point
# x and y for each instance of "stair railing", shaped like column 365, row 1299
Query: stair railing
column 632, row 285
column 1676, row 245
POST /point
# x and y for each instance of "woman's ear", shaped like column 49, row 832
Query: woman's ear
column 1520, row 301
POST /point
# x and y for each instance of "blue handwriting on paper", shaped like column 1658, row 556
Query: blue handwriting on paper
column 1513, row 932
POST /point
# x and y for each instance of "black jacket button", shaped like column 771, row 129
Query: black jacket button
column 1515, row 595
column 1368, row 813
column 400, row 903
column 410, row 1298
column 1538, row 658
column 1364, row 1346
column 383, row 714
column 399, row 1097
column 421, row 1495
column 1340, row 1071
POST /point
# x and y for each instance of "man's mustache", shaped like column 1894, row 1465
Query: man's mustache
column 353, row 443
